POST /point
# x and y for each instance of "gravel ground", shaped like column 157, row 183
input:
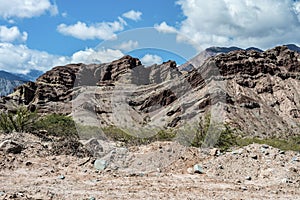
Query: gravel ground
column 161, row 170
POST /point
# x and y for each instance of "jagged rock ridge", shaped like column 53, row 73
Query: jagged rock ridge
column 256, row 92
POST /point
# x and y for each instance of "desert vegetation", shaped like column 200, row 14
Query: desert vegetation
column 225, row 137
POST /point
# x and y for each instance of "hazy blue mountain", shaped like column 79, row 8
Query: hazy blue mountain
column 293, row 47
column 9, row 81
column 222, row 49
column 254, row 49
column 32, row 75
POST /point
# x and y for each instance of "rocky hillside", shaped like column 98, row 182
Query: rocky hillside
column 255, row 92
column 213, row 51
column 210, row 52
column 8, row 82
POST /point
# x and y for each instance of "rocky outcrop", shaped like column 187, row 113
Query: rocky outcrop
column 255, row 92
column 199, row 59
column 210, row 52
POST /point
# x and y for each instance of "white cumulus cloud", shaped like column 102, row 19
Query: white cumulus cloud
column 164, row 28
column 150, row 59
column 244, row 23
column 128, row 45
column 20, row 59
column 133, row 15
column 12, row 34
column 102, row 31
column 26, row 8
column 92, row 56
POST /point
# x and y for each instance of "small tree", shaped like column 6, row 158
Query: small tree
column 5, row 122
column 21, row 120
column 203, row 127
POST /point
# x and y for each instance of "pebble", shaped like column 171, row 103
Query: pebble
column 254, row 156
column 92, row 198
column 243, row 188
column 295, row 159
column 62, row 177
column 198, row 169
column 286, row 180
column 236, row 152
column 281, row 152
column 214, row 152
column 20, row 194
column 2, row 193
column 248, row 178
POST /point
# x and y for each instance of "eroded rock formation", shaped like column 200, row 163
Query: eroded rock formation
column 256, row 92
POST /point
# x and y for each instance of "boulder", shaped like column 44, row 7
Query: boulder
column 10, row 146
column 100, row 164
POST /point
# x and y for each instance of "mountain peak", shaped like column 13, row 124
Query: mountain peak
column 127, row 62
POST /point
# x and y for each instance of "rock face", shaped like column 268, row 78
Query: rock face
column 213, row 51
column 210, row 52
column 255, row 92
column 263, row 87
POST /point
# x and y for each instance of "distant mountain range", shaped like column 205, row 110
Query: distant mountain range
column 8, row 81
column 213, row 51
column 32, row 75
column 253, row 92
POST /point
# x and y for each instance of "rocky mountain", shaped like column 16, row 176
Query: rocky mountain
column 8, row 82
column 199, row 59
column 293, row 47
column 32, row 75
column 254, row 92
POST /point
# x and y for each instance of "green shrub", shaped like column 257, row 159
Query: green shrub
column 202, row 131
column 292, row 143
column 57, row 125
column 227, row 138
column 218, row 135
column 165, row 135
column 6, row 123
column 118, row 134
column 86, row 132
column 20, row 120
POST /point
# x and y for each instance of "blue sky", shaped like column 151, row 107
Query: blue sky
column 40, row 34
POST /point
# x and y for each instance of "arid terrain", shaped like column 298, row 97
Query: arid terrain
column 251, row 95
column 32, row 168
